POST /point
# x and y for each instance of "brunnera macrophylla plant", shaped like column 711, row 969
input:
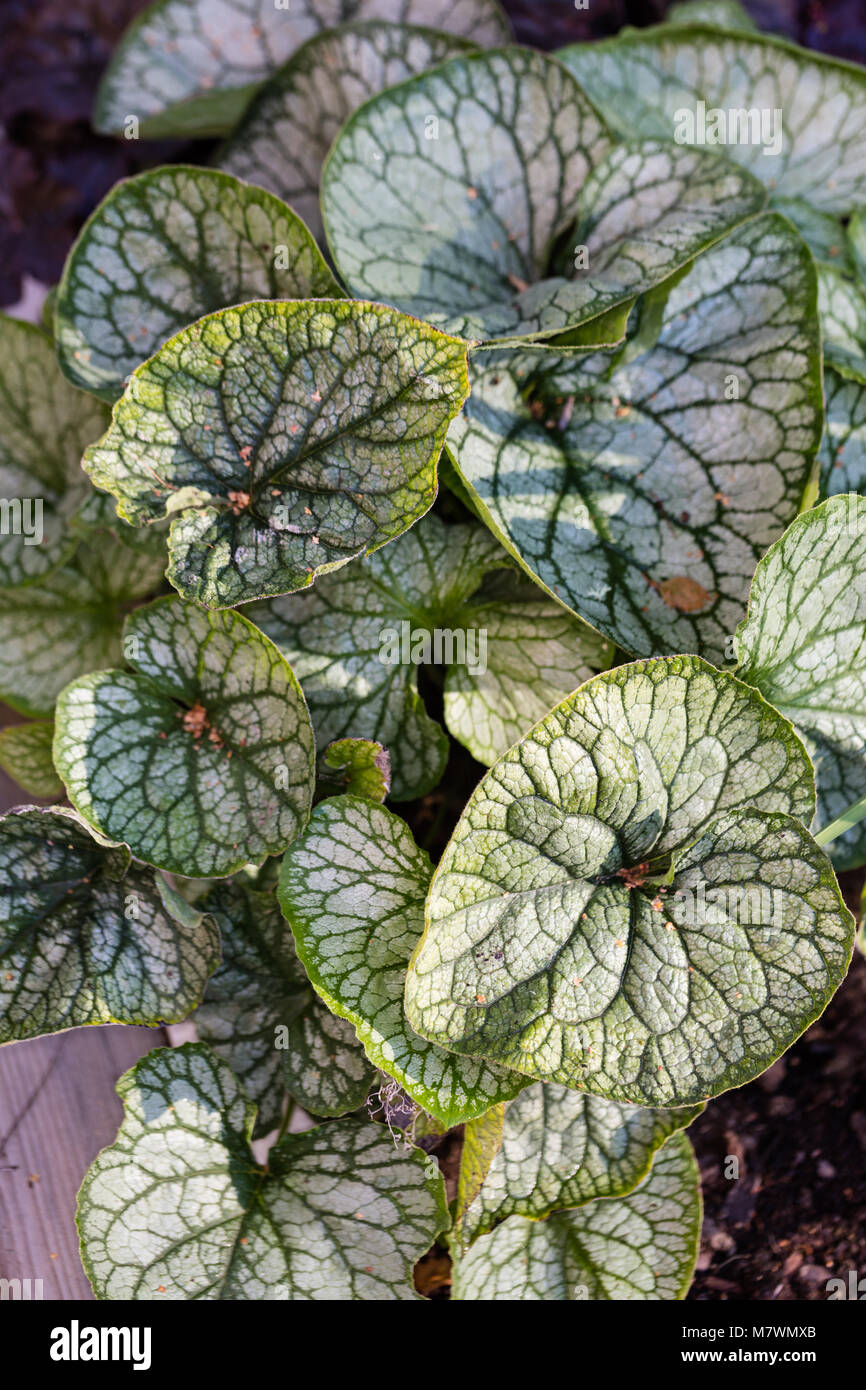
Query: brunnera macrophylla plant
column 474, row 404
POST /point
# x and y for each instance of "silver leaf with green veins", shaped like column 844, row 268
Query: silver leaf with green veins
column 803, row 645
column 261, row 987
column 285, row 438
column 361, row 765
column 643, row 1246
column 630, row 904
column 44, row 426
column 643, row 79
column 167, row 247
column 353, row 887
column 358, row 638
column 71, row 621
column 285, row 135
column 645, row 501
column 190, row 67
column 456, row 221
column 87, row 937
column 843, row 448
column 178, row 1209
column 201, row 759
column 842, row 305
column 562, row 1149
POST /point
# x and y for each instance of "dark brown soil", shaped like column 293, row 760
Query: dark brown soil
column 796, row 1216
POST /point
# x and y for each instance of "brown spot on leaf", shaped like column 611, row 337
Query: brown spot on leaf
column 195, row 720
column 684, row 594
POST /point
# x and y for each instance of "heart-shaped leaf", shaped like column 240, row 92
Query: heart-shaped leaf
column 285, row 135
column 285, row 438
column 795, row 119
column 25, row 753
column 628, row 904
column 643, row 497
column 44, row 426
column 843, row 448
column 562, row 1149
column 803, row 645
column 359, row 637
column 453, row 216
column 364, row 767
column 177, row 1208
column 353, row 887
column 201, row 759
column 70, row 622
column 87, row 937
column 643, row 1246
column 167, row 247
column 190, row 67
column 262, row 1016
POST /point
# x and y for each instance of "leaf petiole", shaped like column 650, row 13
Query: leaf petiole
column 837, row 827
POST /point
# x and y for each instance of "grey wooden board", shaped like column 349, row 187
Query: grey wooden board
column 58, row 1108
